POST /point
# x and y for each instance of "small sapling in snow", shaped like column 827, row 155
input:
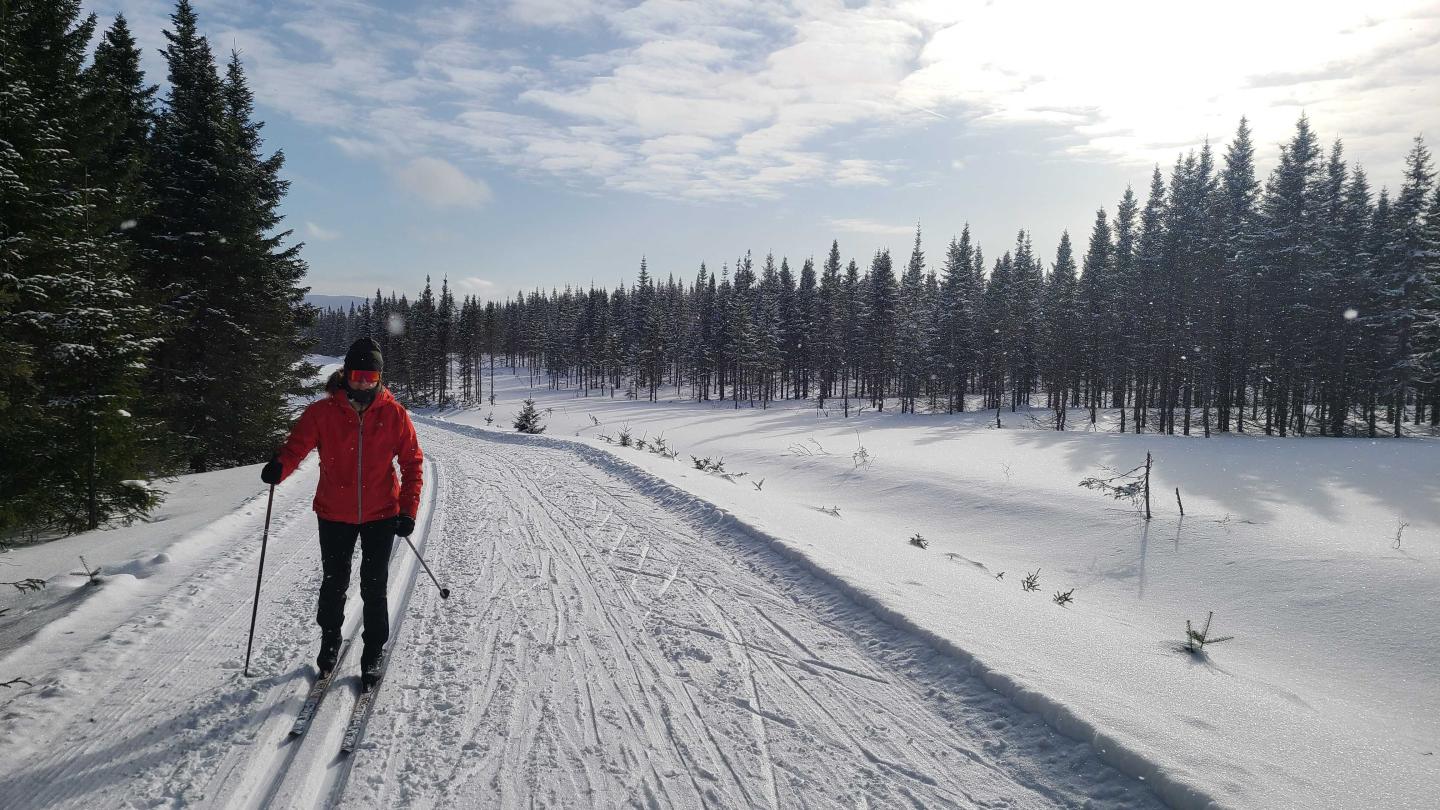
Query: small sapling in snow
column 26, row 585
column 13, row 681
column 808, row 448
column 528, row 419
column 1133, row 485
column 593, row 421
column 1031, row 582
column 832, row 511
column 659, row 447
column 624, row 436
column 92, row 573
column 1399, row 530
column 919, row 540
column 1000, row 575
column 1063, row 598
column 1195, row 641
column 490, row 418
column 759, row 485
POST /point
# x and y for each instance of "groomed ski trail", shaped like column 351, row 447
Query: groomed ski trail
column 156, row 713
column 602, row 648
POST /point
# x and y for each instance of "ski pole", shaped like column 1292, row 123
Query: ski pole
column 255, row 611
column 444, row 592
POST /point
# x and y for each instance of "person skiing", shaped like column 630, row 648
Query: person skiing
column 359, row 429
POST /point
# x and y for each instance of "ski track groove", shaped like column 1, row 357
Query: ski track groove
column 566, row 670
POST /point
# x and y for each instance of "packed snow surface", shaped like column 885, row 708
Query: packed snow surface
column 626, row 630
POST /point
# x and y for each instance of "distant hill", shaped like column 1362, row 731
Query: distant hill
column 334, row 301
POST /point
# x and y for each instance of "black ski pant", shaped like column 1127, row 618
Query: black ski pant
column 337, row 550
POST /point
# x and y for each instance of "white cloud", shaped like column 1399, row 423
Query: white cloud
column 320, row 233
column 1127, row 86
column 734, row 99
column 870, row 226
column 861, row 173
column 440, row 183
column 474, row 284
column 553, row 12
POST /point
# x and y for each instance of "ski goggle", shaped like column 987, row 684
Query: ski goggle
column 358, row 377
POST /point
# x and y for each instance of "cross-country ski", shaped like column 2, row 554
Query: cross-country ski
column 315, row 695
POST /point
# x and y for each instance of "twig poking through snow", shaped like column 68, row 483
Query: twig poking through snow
column 1195, row 642
column 26, row 585
column 92, row 573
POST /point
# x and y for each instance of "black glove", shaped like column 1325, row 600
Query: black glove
column 404, row 525
column 272, row 472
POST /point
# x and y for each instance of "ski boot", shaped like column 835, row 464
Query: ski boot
column 329, row 652
column 372, row 663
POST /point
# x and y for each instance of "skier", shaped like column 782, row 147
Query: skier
column 359, row 429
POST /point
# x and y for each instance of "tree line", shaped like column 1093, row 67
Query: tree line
column 1303, row 304
column 150, row 308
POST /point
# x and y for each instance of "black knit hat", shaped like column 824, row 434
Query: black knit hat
column 364, row 355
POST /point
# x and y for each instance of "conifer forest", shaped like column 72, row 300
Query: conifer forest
column 152, row 300
column 1303, row 304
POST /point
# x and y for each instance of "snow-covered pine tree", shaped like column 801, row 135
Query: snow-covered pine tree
column 1096, row 298
column 826, row 330
column 852, row 304
column 1143, row 338
column 71, row 329
column 807, row 314
column 910, row 323
column 1057, row 336
column 956, row 321
column 226, row 286
column 1406, row 284
column 528, row 419
column 878, row 340
column 1237, row 237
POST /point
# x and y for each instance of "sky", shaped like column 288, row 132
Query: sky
column 507, row 145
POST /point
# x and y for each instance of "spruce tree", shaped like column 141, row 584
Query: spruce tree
column 1096, row 300
column 72, row 331
column 1406, row 284
column 528, row 419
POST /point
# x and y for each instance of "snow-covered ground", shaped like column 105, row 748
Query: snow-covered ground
column 626, row 630
column 1326, row 697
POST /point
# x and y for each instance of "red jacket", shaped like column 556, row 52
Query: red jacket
column 351, row 449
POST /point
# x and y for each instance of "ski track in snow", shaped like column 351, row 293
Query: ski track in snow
column 599, row 649
column 602, row 650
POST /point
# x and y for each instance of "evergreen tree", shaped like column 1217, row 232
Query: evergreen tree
column 72, row 332
column 227, row 291
column 1058, row 330
column 528, row 419
column 1406, row 282
column 1096, row 301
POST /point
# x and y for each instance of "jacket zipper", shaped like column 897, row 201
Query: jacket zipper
column 360, row 471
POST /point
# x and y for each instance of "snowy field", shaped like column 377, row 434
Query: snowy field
column 628, row 631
